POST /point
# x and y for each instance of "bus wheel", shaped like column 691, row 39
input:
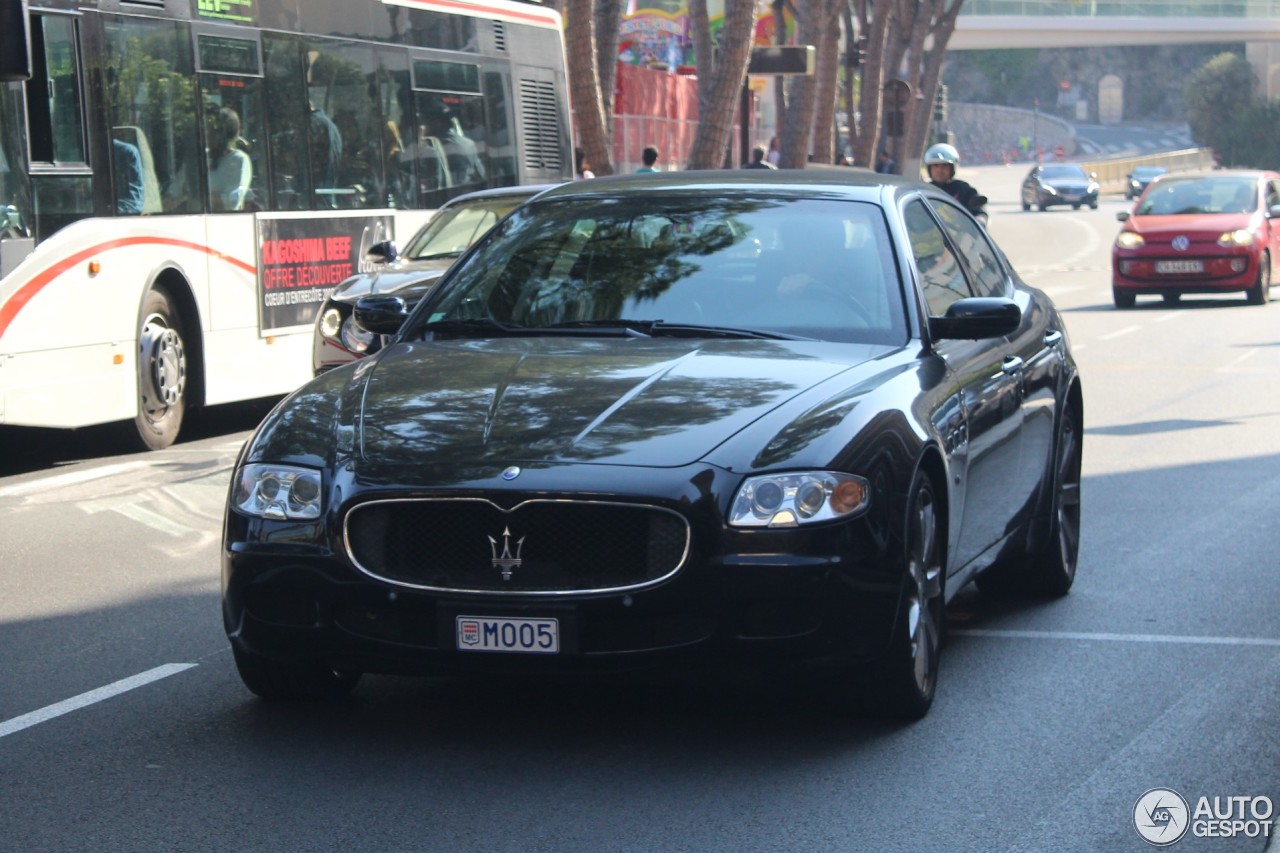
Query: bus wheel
column 162, row 373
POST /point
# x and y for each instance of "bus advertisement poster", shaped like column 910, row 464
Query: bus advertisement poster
column 302, row 258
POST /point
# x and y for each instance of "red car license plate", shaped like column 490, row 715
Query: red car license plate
column 1179, row 266
column 503, row 634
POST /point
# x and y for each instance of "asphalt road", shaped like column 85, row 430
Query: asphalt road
column 123, row 725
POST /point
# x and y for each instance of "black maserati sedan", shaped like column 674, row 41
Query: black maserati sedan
column 1060, row 183
column 669, row 421
column 338, row 339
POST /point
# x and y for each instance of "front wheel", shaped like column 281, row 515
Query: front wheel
column 1122, row 298
column 902, row 684
column 162, row 373
column 1260, row 293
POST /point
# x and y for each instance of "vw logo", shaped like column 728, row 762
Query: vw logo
column 1180, row 243
column 511, row 473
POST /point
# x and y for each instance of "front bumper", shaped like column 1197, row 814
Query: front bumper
column 1227, row 273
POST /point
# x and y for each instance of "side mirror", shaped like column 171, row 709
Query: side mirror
column 1123, row 216
column 382, row 315
column 382, row 253
column 1273, row 211
column 977, row 317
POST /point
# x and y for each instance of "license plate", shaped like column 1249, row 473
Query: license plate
column 1179, row 266
column 504, row 634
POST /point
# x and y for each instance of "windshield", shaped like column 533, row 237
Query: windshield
column 457, row 226
column 1051, row 173
column 1147, row 171
column 1203, row 195
column 646, row 265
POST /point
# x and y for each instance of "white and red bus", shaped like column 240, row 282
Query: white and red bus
column 182, row 181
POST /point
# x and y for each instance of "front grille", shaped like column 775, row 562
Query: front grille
column 541, row 546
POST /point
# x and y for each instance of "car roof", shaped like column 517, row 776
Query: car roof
column 848, row 183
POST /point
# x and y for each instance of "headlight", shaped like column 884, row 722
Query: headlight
column 330, row 323
column 1049, row 188
column 355, row 338
column 789, row 500
column 279, row 492
column 1239, row 237
column 1129, row 240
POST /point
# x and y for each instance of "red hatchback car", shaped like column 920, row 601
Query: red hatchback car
column 1216, row 232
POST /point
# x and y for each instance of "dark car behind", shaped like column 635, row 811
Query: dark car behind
column 1059, row 184
column 338, row 339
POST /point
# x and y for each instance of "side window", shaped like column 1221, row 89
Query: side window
column 152, row 111
column 234, row 122
column 287, row 143
column 980, row 259
column 1273, row 194
column 940, row 274
column 342, row 126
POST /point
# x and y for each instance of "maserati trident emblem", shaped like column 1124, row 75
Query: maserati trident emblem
column 1180, row 243
column 506, row 562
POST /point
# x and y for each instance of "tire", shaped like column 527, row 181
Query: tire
column 1171, row 298
column 1026, row 205
column 1093, row 205
column 291, row 681
column 1042, row 206
column 1260, row 293
column 162, row 373
column 1123, row 299
column 1049, row 570
column 1075, row 207
column 902, row 684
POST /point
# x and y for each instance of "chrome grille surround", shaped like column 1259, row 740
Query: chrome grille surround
column 457, row 545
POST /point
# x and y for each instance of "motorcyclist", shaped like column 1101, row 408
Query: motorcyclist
column 941, row 161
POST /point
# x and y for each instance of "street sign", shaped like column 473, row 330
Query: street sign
column 785, row 60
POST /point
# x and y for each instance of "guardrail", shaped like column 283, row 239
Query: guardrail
column 1111, row 173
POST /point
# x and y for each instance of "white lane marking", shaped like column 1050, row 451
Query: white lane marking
column 132, row 510
column 75, row 703
column 72, row 478
column 1229, row 365
column 1172, row 639
column 1171, row 316
column 1126, row 330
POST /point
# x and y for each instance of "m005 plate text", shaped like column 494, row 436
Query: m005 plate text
column 501, row 634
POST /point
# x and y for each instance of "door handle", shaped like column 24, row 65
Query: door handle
column 1012, row 364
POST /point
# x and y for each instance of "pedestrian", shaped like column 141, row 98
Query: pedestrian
column 581, row 167
column 885, row 164
column 941, row 161
column 775, row 151
column 650, row 158
column 759, row 159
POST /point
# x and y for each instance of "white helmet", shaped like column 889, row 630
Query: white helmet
column 942, row 153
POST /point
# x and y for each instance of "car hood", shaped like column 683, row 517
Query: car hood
column 409, row 280
column 648, row 402
column 1195, row 227
column 1068, row 183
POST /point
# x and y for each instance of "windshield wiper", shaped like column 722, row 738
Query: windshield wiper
column 626, row 328
column 474, row 324
column 693, row 330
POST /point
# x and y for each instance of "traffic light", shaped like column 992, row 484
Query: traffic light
column 940, row 104
column 858, row 55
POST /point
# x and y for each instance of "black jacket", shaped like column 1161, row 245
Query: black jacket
column 965, row 194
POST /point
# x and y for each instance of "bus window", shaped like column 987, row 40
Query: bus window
column 345, row 139
column 286, row 92
column 395, row 111
column 501, row 147
column 234, row 140
column 152, row 113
